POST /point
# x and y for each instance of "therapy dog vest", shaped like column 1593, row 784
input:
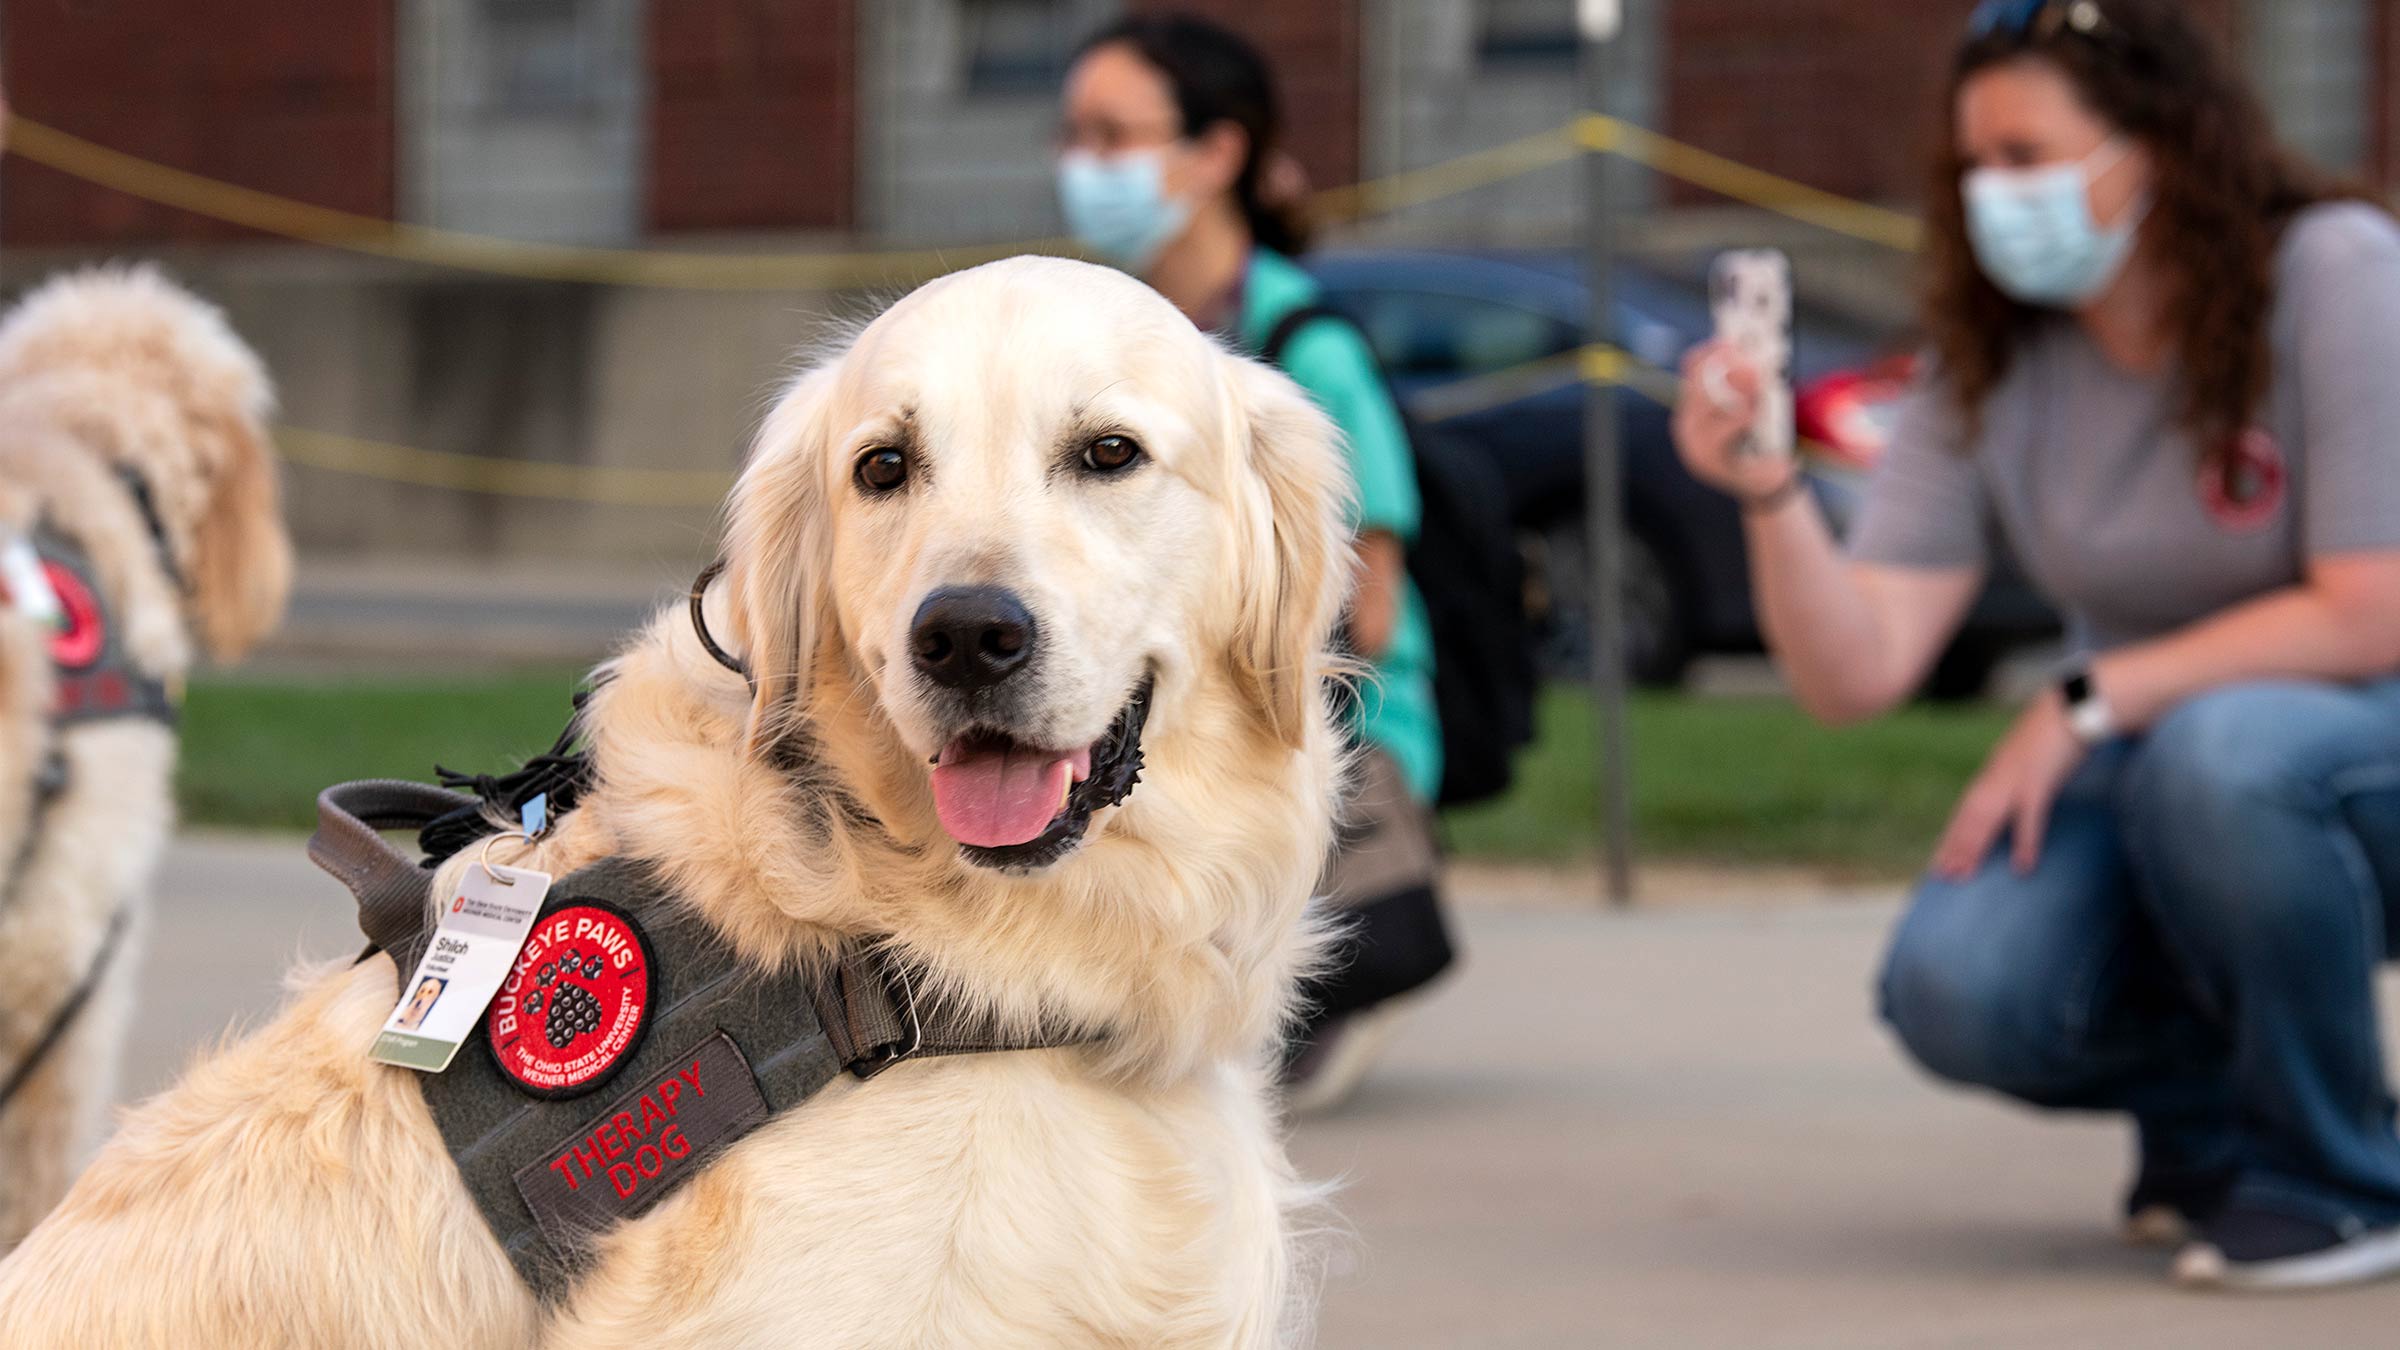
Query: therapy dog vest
column 94, row 676
column 630, row 1045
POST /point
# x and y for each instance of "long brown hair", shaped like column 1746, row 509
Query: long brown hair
column 2224, row 189
column 1216, row 75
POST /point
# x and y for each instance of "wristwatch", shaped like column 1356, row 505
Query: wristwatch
column 2088, row 713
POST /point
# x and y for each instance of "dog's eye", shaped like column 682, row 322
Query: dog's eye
column 881, row 469
column 1111, row 454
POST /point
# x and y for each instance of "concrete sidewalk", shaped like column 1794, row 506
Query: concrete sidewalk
column 1677, row 1127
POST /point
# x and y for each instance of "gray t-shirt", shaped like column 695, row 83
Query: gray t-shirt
column 2081, row 468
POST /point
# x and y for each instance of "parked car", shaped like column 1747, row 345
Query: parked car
column 1482, row 344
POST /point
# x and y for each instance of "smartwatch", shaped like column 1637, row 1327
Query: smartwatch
column 2088, row 713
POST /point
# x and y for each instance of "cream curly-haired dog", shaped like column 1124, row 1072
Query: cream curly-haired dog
column 1028, row 502
column 133, row 455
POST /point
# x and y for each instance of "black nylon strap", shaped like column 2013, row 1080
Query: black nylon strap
column 64, row 1018
column 49, row 782
column 390, row 887
column 1288, row 327
column 874, row 1017
column 146, row 502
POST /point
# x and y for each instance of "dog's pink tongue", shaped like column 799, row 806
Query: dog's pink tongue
column 997, row 798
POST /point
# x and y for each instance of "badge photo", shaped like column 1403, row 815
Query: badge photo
column 576, row 1003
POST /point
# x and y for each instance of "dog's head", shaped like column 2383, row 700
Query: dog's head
column 1028, row 522
column 156, row 381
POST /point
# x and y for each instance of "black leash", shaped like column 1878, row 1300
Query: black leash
column 138, row 487
column 48, row 784
column 64, row 1018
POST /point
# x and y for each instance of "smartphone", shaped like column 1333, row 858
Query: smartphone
column 1750, row 297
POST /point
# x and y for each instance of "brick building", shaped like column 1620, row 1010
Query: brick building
column 808, row 125
column 616, row 121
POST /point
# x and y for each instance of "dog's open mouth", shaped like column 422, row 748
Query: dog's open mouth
column 1015, row 806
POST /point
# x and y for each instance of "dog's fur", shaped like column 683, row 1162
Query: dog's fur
column 103, row 370
column 1127, row 1192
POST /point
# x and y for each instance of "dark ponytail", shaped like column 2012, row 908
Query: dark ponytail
column 1216, row 76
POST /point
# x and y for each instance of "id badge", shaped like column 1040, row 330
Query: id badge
column 476, row 943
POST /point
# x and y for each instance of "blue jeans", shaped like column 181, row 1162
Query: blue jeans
column 2197, row 947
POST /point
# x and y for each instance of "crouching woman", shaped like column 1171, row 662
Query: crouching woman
column 2165, row 370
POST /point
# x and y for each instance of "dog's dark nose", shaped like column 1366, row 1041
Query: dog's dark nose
column 969, row 637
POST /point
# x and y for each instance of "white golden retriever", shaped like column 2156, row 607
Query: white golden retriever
column 132, row 437
column 1028, row 508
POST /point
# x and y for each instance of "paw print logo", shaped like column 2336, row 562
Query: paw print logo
column 574, row 1010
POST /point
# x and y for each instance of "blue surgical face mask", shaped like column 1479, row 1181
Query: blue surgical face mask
column 2033, row 233
column 1118, row 207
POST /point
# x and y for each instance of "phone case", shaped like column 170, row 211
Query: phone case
column 1750, row 296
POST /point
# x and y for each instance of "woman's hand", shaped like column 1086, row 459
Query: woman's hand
column 2015, row 791
column 1712, row 421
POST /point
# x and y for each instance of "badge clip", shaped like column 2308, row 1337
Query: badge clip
column 533, row 818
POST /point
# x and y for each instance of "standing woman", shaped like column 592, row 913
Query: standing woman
column 2165, row 368
column 1169, row 149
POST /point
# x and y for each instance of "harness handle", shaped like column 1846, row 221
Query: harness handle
column 390, row 885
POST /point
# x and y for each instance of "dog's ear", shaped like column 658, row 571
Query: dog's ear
column 241, row 563
column 1296, row 556
column 778, row 559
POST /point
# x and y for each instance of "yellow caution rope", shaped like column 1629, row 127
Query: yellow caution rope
column 309, row 223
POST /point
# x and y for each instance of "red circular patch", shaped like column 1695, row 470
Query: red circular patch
column 575, row 1004
column 2248, row 491
column 81, row 636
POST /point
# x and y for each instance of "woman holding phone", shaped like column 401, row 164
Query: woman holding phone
column 2162, row 368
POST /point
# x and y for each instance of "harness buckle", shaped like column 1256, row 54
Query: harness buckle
column 887, row 1056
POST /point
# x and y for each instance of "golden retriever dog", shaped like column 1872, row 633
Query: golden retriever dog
column 132, row 432
column 1028, row 507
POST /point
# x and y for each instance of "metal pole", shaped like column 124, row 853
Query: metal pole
column 1600, row 24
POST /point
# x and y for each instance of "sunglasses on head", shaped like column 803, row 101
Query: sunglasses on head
column 2036, row 20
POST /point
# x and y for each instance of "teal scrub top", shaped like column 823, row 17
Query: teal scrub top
column 1331, row 362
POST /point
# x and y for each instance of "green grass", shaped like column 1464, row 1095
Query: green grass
column 1742, row 780
column 256, row 752
column 1720, row 779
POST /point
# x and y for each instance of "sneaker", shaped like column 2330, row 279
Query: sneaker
column 2247, row 1248
column 2159, row 1226
column 2168, row 1211
column 1331, row 1059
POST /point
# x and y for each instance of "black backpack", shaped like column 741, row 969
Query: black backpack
column 1466, row 566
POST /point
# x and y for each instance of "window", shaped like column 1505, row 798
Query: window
column 1018, row 46
column 1425, row 335
column 541, row 58
column 1525, row 32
